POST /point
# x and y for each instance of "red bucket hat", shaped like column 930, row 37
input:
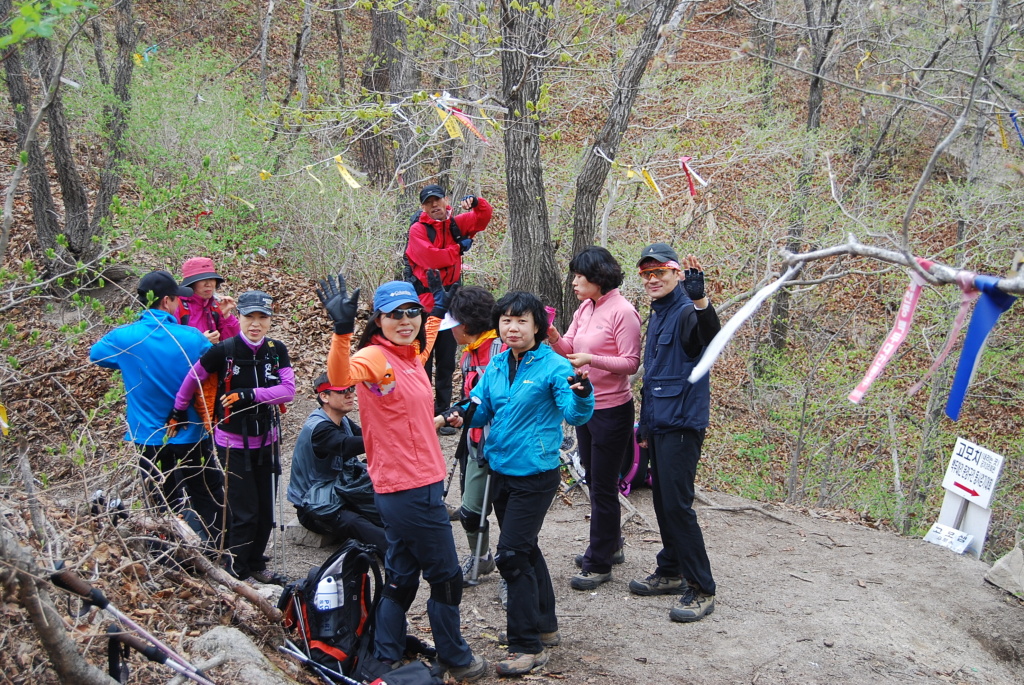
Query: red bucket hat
column 199, row 269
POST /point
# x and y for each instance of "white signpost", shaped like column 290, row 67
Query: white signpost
column 970, row 482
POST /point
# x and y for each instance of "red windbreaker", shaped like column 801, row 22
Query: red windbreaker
column 443, row 253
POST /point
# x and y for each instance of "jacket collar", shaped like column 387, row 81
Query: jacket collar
column 676, row 298
column 157, row 316
column 406, row 351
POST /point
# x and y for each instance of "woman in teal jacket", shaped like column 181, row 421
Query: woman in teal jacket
column 524, row 394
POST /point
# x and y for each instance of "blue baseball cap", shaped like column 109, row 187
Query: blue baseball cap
column 393, row 295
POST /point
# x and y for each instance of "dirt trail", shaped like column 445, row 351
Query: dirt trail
column 811, row 600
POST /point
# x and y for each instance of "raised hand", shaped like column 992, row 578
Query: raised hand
column 693, row 278
column 340, row 307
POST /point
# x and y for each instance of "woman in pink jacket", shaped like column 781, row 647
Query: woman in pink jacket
column 604, row 337
column 404, row 460
column 213, row 315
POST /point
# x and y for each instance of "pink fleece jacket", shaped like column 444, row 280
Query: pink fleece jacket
column 610, row 331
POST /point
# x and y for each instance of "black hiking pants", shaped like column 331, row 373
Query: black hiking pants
column 443, row 354
column 173, row 470
column 347, row 524
column 249, row 490
column 674, row 458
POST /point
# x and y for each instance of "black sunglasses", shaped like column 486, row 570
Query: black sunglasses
column 347, row 391
column 397, row 314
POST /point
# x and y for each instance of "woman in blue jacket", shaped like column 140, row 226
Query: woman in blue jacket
column 524, row 394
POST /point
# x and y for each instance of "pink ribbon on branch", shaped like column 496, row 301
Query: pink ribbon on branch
column 896, row 336
column 965, row 279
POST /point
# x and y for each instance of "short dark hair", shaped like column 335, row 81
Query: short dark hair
column 472, row 307
column 599, row 267
column 519, row 302
column 373, row 328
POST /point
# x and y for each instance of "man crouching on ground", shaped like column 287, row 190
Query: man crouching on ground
column 329, row 485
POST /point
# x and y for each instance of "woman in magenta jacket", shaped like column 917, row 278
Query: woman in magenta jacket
column 604, row 337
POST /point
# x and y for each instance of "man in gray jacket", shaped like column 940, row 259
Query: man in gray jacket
column 329, row 485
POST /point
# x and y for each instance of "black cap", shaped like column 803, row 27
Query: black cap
column 432, row 191
column 660, row 251
column 159, row 284
column 255, row 301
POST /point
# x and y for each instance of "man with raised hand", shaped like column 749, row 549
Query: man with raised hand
column 674, row 415
column 153, row 355
column 437, row 240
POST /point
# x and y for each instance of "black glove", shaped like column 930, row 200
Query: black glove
column 342, row 310
column 466, row 243
column 473, row 201
column 457, row 410
column 442, row 295
column 693, row 283
column 587, row 386
column 642, row 434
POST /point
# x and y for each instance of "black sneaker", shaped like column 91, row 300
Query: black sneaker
column 618, row 558
column 693, row 606
column 656, row 584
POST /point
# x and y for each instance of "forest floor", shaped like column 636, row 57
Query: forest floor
column 806, row 597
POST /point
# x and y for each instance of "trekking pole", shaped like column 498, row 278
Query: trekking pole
column 474, row 578
column 153, row 654
column 462, row 448
column 328, row 674
column 66, row 579
column 274, row 482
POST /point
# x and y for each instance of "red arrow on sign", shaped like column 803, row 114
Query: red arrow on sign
column 972, row 493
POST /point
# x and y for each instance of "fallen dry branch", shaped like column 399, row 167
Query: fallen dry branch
column 18, row 566
column 751, row 507
column 190, row 551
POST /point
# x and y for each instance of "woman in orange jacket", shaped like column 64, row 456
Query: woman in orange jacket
column 404, row 460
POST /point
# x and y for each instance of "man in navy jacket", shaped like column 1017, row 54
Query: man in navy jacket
column 153, row 355
column 673, row 417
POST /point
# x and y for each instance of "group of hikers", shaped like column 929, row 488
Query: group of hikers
column 197, row 365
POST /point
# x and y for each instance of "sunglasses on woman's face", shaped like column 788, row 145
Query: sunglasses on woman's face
column 397, row 314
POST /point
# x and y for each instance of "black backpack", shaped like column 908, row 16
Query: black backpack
column 338, row 638
column 407, row 274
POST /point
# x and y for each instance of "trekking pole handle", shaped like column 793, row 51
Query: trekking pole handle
column 67, row 579
column 136, row 643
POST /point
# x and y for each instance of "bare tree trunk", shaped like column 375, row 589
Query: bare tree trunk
column 119, row 111
column 339, row 31
column 823, row 27
column 764, row 36
column 374, row 153
column 17, row 565
column 264, row 44
column 524, row 44
column 404, row 76
column 76, row 199
column 592, row 176
column 44, row 210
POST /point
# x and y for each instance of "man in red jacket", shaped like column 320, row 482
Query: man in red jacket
column 437, row 240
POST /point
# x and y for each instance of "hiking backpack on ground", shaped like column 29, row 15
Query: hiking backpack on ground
column 332, row 611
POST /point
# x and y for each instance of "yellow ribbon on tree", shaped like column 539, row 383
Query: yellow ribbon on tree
column 345, row 173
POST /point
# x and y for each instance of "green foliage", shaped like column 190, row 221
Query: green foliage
column 39, row 19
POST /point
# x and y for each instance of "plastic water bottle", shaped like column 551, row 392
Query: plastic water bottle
column 326, row 601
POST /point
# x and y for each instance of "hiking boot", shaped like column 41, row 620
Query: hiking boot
column 693, row 606
column 547, row 639
column 503, row 593
column 267, row 577
column 447, row 430
column 589, row 580
column 485, row 566
column 618, row 558
column 521, row 664
column 656, row 584
column 476, row 668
